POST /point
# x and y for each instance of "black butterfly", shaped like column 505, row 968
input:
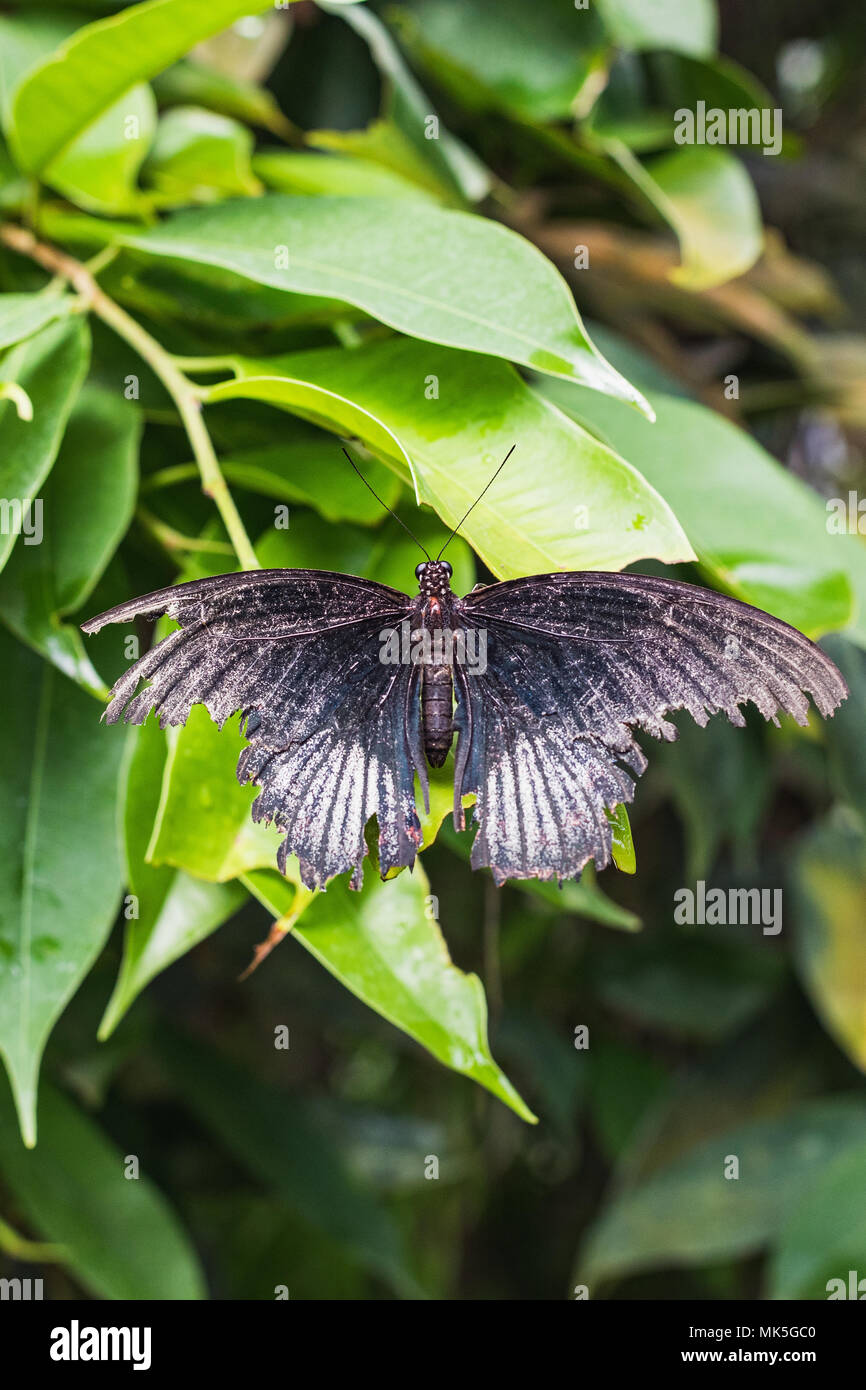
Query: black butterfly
column 345, row 685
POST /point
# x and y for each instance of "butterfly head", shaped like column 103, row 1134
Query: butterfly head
column 434, row 578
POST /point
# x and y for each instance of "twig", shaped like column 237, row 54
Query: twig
column 183, row 392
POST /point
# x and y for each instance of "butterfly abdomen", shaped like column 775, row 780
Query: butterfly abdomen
column 437, row 707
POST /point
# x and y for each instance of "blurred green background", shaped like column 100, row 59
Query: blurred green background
column 248, row 1140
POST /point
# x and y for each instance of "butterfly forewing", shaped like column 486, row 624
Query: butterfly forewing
column 334, row 734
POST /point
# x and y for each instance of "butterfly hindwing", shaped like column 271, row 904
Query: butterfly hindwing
column 574, row 662
column 334, row 734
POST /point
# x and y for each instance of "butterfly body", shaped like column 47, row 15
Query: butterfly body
column 347, row 689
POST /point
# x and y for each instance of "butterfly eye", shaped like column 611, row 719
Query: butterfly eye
column 419, row 569
column 445, row 565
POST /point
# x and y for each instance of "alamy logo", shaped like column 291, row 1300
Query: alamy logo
column 738, row 907
column 77, row 1343
column 855, row 1287
column 756, row 125
column 405, row 646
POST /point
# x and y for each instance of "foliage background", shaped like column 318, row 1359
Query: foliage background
column 309, row 1168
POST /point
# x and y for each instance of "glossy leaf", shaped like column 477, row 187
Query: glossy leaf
column 291, row 171
column 172, row 910
column 50, row 366
column 59, row 857
column 565, row 501
column 534, row 64
column 69, row 90
column 87, row 505
column 704, row 467
column 386, row 947
column 120, row 1238
column 99, row 170
column 198, row 156
column 447, row 277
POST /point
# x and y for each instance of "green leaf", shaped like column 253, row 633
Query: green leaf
column 88, row 502
column 306, row 468
column 98, row 171
column 688, row 1213
column 198, row 156
column 685, row 26
column 67, row 92
column 622, row 845
column 191, row 84
column 490, row 55
column 825, row 1235
column 447, row 277
column 22, row 315
column 120, row 1237
column 706, row 196
column 565, row 501
column 277, row 1140
column 385, row 946
column 290, row 171
column 203, row 824
column 830, row 944
column 50, row 366
column 722, row 485
column 58, row 858
column 173, row 910
column 408, row 109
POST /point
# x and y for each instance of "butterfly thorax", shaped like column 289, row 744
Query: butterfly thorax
column 437, row 699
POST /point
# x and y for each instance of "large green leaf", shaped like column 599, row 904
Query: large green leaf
column 119, row 1236
column 87, row 504
column 50, row 367
column 564, row 501
column 386, row 947
column 68, row 91
column 58, row 859
column 169, row 911
column 532, row 63
column 722, row 486
column 447, row 277
column 690, row 1213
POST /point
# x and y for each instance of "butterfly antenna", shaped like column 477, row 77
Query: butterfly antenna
column 477, row 500
column 385, row 504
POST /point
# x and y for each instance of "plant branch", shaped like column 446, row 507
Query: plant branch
column 183, row 392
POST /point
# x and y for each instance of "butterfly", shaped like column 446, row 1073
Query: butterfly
column 347, row 689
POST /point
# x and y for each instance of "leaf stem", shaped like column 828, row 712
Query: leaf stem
column 183, row 392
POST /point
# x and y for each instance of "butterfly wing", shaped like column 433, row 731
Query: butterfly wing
column 334, row 734
column 575, row 662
